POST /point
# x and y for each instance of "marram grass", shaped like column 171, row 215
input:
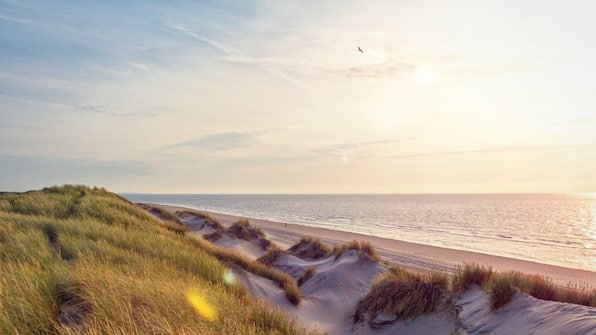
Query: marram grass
column 80, row 260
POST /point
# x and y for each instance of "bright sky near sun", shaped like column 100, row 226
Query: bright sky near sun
column 274, row 96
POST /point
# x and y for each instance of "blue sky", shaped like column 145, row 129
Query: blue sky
column 273, row 97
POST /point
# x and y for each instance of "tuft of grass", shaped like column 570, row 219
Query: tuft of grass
column 501, row 286
column 471, row 274
column 362, row 246
column 399, row 297
column 541, row 288
column 270, row 256
column 309, row 273
column 242, row 229
column 502, row 289
column 310, row 248
column 212, row 237
column 126, row 273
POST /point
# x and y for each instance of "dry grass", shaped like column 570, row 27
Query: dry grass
column 361, row 246
column 283, row 280
column 242, row 229
column 397, row 294
column 76, row 259
column 470, row 274
column 309, row 273
column 310, row 248
column 501, row 286
column 271, row 256
column 209, row 220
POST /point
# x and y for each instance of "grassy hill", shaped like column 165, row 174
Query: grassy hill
column 80, row 260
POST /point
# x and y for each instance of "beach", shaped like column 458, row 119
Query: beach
column 331, row 296
column 412, row 256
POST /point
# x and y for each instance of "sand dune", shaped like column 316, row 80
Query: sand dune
column 330, row 296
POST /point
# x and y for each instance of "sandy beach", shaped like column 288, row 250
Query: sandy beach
column 330, row 297
column 409, row 255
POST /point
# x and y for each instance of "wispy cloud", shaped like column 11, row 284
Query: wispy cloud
column 117, row 110
column 15, row 19
column 234, row 55
column 222, row 141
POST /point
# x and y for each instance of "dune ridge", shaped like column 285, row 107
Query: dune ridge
column 336, row 280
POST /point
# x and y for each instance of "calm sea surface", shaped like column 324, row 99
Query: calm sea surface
column 548, row 228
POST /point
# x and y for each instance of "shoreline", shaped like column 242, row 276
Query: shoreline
column 413, row 256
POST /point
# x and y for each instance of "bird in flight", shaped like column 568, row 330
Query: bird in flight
column 360, row 49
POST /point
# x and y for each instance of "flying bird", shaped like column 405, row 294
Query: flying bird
column 360, row 49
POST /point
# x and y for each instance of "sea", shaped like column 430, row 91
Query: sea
column 556, row 229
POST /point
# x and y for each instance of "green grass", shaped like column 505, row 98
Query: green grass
column 76, row 259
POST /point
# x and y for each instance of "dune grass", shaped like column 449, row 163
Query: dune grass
column 309, row 273
column 362, row 246
column 310, row 248
column 271, row 256
column 400, row 294
column 283, row 280
column 209, row 220
column 75, row 259
column 501, row 286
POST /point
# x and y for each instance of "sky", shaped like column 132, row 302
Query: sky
column 274, row 96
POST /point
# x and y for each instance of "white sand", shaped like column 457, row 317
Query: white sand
column 329, row 298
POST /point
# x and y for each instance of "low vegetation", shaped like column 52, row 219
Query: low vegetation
column 82, row 260
column 400, row 295
column 227, row 256
column 271, row 256
column 501, row 286
column 310, row 248
column 170, row 221
column 309, row 273
column 242, row 229
column 364, row 247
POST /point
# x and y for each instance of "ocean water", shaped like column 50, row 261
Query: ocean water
column 557, row 229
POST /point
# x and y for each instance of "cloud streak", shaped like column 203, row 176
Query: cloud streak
column 234, row 55
column 221, row 141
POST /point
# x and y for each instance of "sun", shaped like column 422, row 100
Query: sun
column 424, row 75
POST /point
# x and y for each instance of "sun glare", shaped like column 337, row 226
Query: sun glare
column 424, row 76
